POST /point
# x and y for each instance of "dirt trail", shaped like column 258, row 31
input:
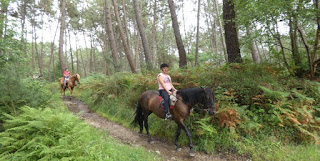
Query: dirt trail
column 128, row 136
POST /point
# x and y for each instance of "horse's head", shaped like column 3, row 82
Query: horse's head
column 208, row 100
column 78, row 78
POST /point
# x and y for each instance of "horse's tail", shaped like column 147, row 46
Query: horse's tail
column 138, row 115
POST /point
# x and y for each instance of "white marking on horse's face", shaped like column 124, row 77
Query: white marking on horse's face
column 78, row 76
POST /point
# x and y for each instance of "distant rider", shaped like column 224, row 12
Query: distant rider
column 66, row 75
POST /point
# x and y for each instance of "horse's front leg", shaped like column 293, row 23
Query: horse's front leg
column 190, row 139
column 178, row 147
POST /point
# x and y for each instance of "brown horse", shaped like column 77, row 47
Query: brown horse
column 149, row 102
column 70, row 84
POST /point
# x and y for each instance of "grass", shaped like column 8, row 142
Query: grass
column 56, row 134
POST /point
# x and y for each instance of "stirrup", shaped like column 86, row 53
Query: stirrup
column 168, row 116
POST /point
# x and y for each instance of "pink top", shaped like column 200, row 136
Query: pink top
column 166, row 81
column 66, row 74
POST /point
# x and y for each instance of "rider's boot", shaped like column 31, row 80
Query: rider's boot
column 168, row 116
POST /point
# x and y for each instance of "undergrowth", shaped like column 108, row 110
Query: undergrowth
column 260, row 109
column 55, row 134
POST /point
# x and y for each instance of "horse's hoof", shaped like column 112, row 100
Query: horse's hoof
column 179, row 149
column 192, row 154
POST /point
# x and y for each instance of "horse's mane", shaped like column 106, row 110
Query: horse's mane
column 191, row 96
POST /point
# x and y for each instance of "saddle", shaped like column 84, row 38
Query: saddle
column 173, row 100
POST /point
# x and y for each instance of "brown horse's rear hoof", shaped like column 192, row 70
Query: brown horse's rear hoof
column 70, row 97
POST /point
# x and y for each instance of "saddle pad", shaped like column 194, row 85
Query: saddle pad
column 171, row 107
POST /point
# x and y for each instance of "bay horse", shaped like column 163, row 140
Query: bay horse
column 70, row 85
column 149, row 102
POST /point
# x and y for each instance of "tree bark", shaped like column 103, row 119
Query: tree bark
column 51, row 59
column 136, row 50
column 71, row 54
column 32, row 50
column 316, row 44
column 144, row 40
column 23, row 21
column 123, row 38
column 37, row 51
column 77, row 57
column 154, row 34
column 305, row 43
column 231, row 35
column 112, row 42
column 254, row 50
column 62, row 27
column 175, row 25
column 223, row 41
column 83, row 65
column 294, row 46
column 197, row 37
column 213, row 29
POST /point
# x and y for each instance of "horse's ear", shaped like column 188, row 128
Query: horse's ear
column 202, row 87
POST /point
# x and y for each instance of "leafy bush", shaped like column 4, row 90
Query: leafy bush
column 252, row 101
column 54, row 134
column 17, row 91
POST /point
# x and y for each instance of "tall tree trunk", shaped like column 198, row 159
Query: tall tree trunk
column 71, row 54
column 91, row 68
column 254, row 50
column 294, row 46
column 316, row 44
column 197, row 37
column 112, row 41
column 37, row 52
column 83, row 65
column 305, row 43
column 144, row 40
column 23, row 21
column 52, row 56
column 231, row 35
column 32, row 51
column 77, row 57
column 212, row 23
column 3, row 17
column 223, row 41
column 125, row 23
column 87, row 54
column 154, row 34
column 62, row 27
column 175, row 25
column 123, row 38
column 281, row 47
column 136, row 50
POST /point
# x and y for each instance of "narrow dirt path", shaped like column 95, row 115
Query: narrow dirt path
column 128, row 136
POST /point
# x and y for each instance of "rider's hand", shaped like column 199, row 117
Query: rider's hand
column 169, row 93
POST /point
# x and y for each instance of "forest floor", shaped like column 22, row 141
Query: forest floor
column 128, row 136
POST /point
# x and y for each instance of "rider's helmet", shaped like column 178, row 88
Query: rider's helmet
column 163, row 65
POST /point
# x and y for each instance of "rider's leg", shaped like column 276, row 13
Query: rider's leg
column 166, row 98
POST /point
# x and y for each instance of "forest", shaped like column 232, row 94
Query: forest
column 260, row 58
